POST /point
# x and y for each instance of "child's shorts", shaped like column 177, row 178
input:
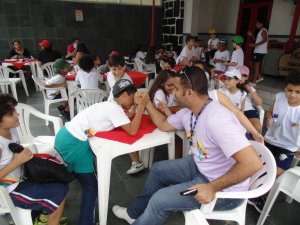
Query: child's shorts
column 250, row 114
column 44, row 197
column 76, row 153
column 283, row 157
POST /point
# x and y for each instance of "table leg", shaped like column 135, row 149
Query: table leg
column 104, row 171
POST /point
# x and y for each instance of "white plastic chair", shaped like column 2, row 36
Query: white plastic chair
column 261, row 113
column 19, row 215
column 289, row 184
column 141, row 67
column 260, row 183
column 44, row 144
column 85, row 98
column 131, row 64
column 5, row 81
column 34, row 70
column 48, row 101
column 49, row 68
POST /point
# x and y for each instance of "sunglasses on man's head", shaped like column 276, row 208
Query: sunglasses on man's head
column 183, row 71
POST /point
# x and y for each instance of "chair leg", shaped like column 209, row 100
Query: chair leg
column 22, row 76
column 22, row 216
column 269, row 203
column 14, row 91
column 47, row 106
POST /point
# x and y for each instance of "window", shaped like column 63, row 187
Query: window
column 129, row 2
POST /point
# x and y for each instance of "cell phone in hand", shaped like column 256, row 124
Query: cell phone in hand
column 189, row 192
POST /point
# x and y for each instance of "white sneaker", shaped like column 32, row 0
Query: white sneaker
column 121, row 212
column 252, row 84
column 135, row 167
column 260, row 80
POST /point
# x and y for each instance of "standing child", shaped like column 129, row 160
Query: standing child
column 46, row 197
column 212, row 45
column 237, row 58
column 231, row 80
column 221, row 56
column 117, row 71
column 283, row 122
column 72, row 140
column 88, row 77
column 252, row 96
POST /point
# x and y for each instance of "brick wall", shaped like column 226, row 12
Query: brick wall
column 172, row 25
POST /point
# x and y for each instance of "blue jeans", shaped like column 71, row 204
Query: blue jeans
column 89, row 186
column 161, row 195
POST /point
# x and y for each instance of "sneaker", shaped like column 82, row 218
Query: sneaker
column 257, row 203
column 121, row 213
column 63, row 221
column 135, row 167
column 252, row 84
column 41, row 220
column 260, row 80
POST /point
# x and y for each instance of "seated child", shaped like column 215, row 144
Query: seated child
column 105, row 67
column 252, row 97
column 88, row 77
column 72, row 140
column 48, row 198
column 117, row 71
column 187, row 54
column 167, row 63
column 61, row 68
column 221, row 56
column 231, row 80
column 283, row 136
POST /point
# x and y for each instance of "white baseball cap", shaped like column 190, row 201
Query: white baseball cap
column 233, row 73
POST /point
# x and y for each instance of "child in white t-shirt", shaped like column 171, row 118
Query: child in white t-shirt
column 283, row 122
column 61, row 68
column 221, row 56
column 72, row 144
column 237, row 58
column 252, row 98
column 88, row 77
column 187, row 54
column 200, row 55
column 231, row 79
column 117, row 71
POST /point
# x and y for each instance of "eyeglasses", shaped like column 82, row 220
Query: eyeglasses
column 227, row 78
column 183, row 71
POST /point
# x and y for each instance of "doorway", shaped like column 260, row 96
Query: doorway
column 249, row 12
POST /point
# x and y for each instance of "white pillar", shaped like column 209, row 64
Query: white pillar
column 188, row 14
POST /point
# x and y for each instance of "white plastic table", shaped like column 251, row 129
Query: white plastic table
column 105, row 150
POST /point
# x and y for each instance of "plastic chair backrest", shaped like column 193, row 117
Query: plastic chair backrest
column 261, row 113
column 139, row 64
column 25, row 112
column 4, row 75
column 85, row 98
column 49, row 68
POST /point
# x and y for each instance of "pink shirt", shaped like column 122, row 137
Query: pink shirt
column 218, row 135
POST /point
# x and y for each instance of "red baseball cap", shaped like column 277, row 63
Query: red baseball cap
column 113, row 53
column 45, row 43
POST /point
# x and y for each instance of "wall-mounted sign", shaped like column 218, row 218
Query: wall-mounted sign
column 78, row 15
column 289, row 62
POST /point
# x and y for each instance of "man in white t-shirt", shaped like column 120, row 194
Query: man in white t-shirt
column 260, row 48
column 88, row 77
column 219, row 160
column 237, row 58
column 188, row 53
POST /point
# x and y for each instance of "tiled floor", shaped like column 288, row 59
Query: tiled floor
column 124, row 188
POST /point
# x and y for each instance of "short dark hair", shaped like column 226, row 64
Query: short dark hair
column 86, row 63
column 7, row 105
column 116, row 60
column 170, row 61
column 130, row 90
column 75, row 39
column 293, row 78
column 95, row 56
column 194, row 78
column 188, row 38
